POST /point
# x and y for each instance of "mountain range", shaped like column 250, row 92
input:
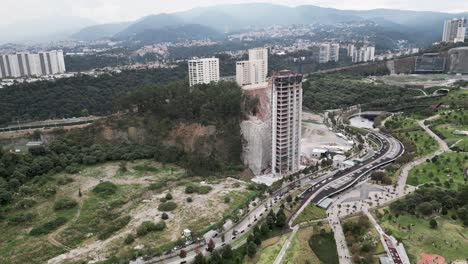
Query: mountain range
column 214, row 20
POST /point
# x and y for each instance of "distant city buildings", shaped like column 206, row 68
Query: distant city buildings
column 454, row 30
column 27, row 64
column 286, row 122
column 203, row 71
column 329, row 52
column 364, row 54
column 254, row 70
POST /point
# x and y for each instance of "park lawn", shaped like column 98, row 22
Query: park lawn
column 299, row 251
column 449, row 240
column 323, row 244
column 268, row 250
column 311, row 212
column 449, row 168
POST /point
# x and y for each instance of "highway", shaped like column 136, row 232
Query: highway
column 324, row 186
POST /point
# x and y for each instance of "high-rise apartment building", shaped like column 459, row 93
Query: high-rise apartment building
column 454, row 30
column 364, row 54
column 203, row 71
column 286, row 122
column 255, row 70
column 329, row 52
column 26, row 64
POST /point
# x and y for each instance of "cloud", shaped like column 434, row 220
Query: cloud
column 125, row 10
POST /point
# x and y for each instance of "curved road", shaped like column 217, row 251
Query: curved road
column 322, row 187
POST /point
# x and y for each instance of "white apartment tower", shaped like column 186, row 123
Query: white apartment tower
column 26, row 64
column 454, row 30
column 203, row 71
column 254, row 70
column 286, row 122
column 364, row 54
column 329, row 52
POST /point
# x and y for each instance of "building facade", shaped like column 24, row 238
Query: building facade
column 364, row 54
column 286, row 122
column 254, row 70
column 27, row 64
column 203, row 71
column 329, row 52
column 454, row 30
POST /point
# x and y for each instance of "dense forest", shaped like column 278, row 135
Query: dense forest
column 69, row 97
column 332, row 91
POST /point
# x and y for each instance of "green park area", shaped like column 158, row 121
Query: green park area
column 449, row 239
column 446, row 170
column 323, row 244
column 299, row 250
column 362, row 239
column 310, row 213
column 452, row 127
column 406, row 128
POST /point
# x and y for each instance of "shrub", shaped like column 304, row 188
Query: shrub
column 64, row 203
column 129, row 239
column 192, row 188
column 164, row 216
column 105, row 188
column 114, row 226
column 148, row 226
column 167, row 206
column 157, row 185
column 163, row 200
column 26, row 203
column 20, row 218
column 189, row 199
column 48, row 227
column 227, row 199
column 168, row 196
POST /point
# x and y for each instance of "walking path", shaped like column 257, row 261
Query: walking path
column 443, row 147
column 286, row 245
column 51, row 236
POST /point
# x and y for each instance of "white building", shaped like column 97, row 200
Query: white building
column 203, row 71
column 255, row 70
column 364, row 54
column 26, row 64
column 454, row 30
column 286, row 122
column 329, row 52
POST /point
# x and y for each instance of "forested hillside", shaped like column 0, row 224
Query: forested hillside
column 69, row 97
column 332, row 91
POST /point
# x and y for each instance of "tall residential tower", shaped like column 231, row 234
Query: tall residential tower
column 203, row 71
column 254, row 70
column 286, row 122
column 454, row 30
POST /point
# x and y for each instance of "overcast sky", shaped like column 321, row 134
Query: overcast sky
column 103, row 11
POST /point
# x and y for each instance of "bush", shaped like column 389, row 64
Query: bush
column 164, row 216
column 167, row 206
column 190, row 189
column 20, row 218
column 64, row 203
column 168, row 196
column 227, row 199
column 113, row 227
column 189, row 199
column 129, row 239
column 157, row 185
column 200, row 189
column 105, row 188
column 148, row 226
column 48, row 227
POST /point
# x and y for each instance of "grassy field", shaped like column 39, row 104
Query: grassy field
column 449, row 240
column 268, row 250
column 323, row 244
column 299, row 251
column 447, row 124
column 446, row 171
column 311, row 212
